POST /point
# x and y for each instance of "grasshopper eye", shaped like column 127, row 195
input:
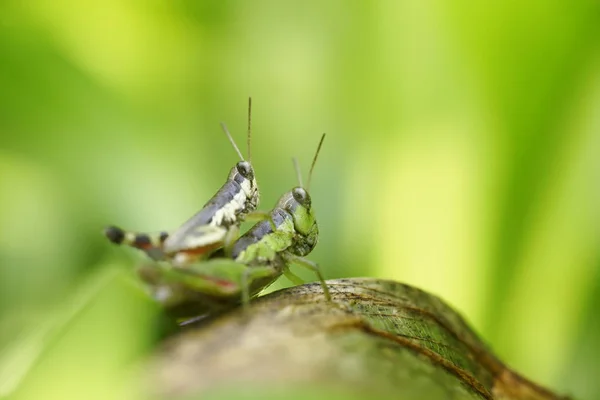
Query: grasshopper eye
column 245, row 169
column 301, row 196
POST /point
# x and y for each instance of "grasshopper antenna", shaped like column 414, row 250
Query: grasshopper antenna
column 249, row 128
column 298, row 172
column 312, row 166
column 231, row 140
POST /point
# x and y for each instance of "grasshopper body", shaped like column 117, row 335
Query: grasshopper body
column 255, row 260
column 216, row 224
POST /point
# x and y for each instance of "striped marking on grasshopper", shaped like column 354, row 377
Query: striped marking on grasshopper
column 215, row 225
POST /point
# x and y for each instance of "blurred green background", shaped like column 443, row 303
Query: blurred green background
column 463, row 156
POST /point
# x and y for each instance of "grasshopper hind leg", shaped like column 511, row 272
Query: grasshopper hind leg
column 151, row 244
column 250, row 275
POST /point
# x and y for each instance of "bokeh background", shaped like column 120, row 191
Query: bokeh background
column 462, row 156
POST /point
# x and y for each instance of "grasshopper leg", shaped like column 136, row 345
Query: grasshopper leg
column 151, row 244
column 295, row 279
column 313, row 266
column 249, row 275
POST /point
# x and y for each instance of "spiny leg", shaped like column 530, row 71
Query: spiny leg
column 312, row 266
column 218, row 277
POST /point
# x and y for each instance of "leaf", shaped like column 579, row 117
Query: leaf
column 377, row 339
column 86, row 347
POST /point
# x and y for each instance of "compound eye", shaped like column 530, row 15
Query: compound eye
column 245, row 169
column 301, row 196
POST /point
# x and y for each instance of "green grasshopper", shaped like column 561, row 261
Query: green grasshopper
column 254, row 261
column 215, row 225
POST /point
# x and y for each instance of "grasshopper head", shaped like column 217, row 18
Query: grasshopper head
column 243, row 174
column 298, row 203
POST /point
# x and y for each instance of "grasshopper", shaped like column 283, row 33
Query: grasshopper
column 256, row 260
column 215, row 225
